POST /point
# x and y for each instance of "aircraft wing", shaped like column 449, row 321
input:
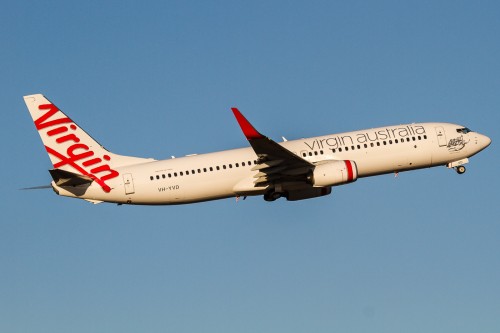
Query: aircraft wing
column 275, row 163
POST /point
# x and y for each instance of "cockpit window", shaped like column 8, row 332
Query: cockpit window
column 463, row 130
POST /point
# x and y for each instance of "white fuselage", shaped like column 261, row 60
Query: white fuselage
column 229, row 173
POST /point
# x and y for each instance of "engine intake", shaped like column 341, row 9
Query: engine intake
column 333, row 173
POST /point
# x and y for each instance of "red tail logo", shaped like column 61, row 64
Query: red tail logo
column 78, row 155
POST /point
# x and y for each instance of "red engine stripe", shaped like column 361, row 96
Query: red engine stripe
column 350, row 174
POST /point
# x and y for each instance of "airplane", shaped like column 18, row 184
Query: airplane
column 292, row 169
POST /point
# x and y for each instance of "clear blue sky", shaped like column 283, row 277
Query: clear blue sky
column 417, row 253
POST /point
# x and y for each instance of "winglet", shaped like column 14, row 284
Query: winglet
column 250, row 132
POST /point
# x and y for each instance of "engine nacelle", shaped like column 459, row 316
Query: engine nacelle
column 333, row 173
column 307, row 193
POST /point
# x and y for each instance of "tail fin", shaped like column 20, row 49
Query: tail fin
column 70, row 148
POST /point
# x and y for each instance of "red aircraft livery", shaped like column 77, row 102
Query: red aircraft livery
column 64, row 135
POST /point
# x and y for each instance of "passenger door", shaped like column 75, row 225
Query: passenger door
column 441, row 136
column 128, row 183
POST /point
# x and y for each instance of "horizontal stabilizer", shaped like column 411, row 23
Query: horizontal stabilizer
column 67, row 178
column 42, row 187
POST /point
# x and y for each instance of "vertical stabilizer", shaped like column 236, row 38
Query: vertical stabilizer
column 70, row 148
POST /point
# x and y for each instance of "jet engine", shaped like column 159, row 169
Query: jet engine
column 333, row 173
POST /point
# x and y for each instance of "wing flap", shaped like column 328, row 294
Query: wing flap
column 267, row 164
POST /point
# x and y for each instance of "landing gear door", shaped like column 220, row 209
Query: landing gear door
column 441, row 136
column 128, row 182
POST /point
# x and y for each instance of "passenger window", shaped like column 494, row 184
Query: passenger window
column 157, row 177
column 378, row 143
column 151, row 177
column 181, row 174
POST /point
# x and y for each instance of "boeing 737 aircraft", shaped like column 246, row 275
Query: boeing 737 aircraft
column 295, row 170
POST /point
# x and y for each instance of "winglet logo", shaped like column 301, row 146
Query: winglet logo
column 63, row 134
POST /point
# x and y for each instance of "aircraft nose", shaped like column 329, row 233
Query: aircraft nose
column 484, row 141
